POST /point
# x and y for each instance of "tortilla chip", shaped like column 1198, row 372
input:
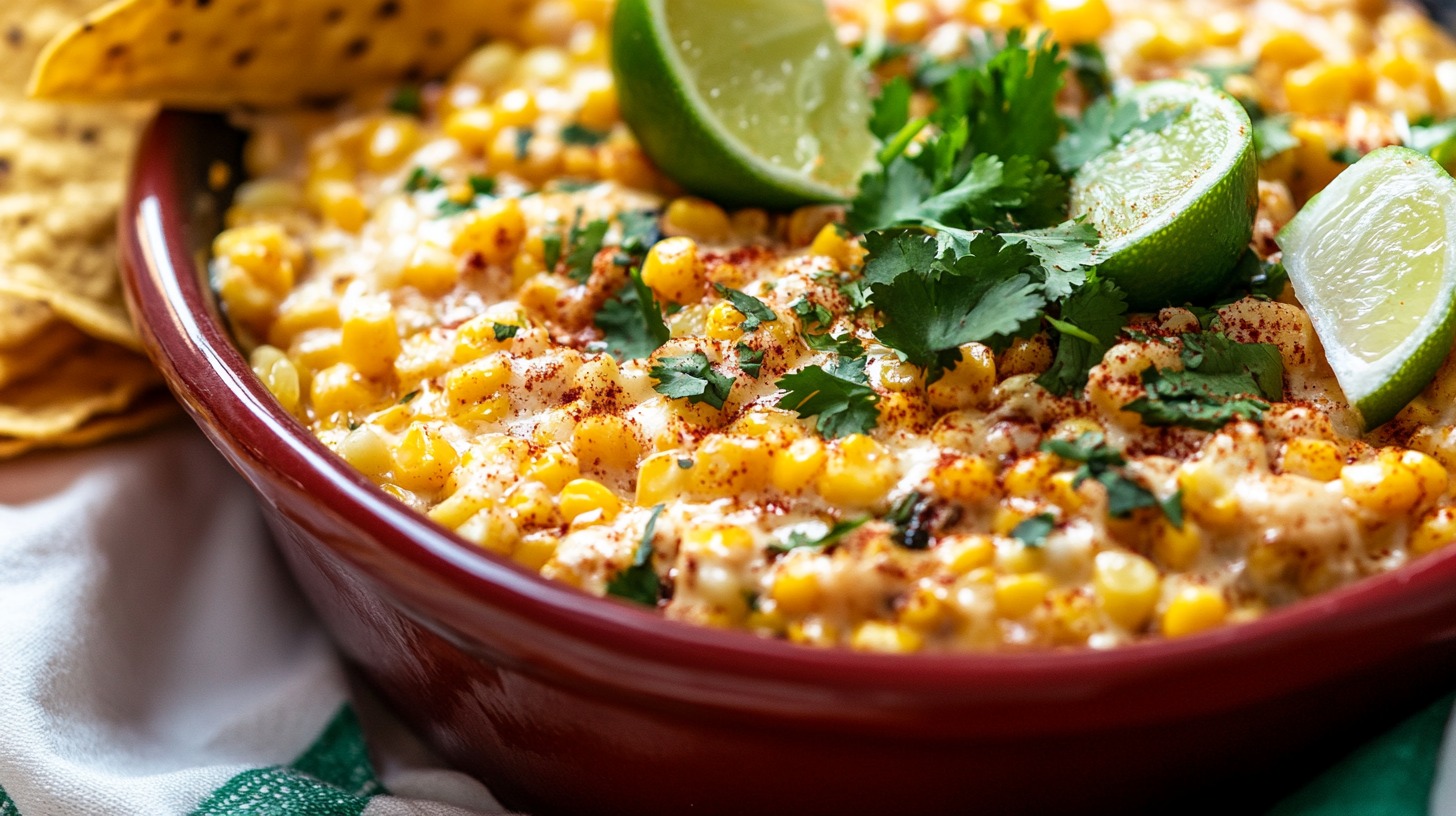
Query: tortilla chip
column 268, row 53
column 154, row 410
column 22, row 319
column 99, row 379
column 19, row 363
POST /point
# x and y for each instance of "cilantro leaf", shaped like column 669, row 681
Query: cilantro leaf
column 845, row 345
column 912, row 516
column 585, row 243
column 1096, row 311
column 576, row 134
column 639, row 581
column 1102, row 464
column 1103, row 125
column 837, row 531
column 1272, row 136
column 1221, row 381
column 1034, row 531
column 1010, row 99
column 639, row 231
column 691, row 377
column 1089, row 66
column 811, row 315
column 749, row 359
column 504, row 331
column 631, row 322
column 843, row 406
column 551, row 243
column 892, row 109
column 1214, row 353
column 408, row 100
column 1437, row 139
column 755, row 312
column 1065, row 252
column 423, row 179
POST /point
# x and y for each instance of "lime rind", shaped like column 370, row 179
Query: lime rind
column 1373, row 260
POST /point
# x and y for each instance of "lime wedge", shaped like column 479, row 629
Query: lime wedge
column 752, row 102
column 1373, row 261
column 1175, row 205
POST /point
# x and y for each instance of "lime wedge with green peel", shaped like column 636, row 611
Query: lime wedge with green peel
column 1373, row 261
column 1174, row 203
column 752, row 102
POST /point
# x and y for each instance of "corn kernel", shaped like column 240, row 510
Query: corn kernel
column 1288, row 48
column 531, row 504
column 606, row 442
column 879, row 636
column 432, row 270
column 1002, row 14
column 719, row 541
column 730, row 465
column 392, row 140
column 366, row 452
column 423, row 460
column 495, row 232
column 474, row 128
column 554, row 468
column 535, row 550
column 1326, row 89
column 858, row 473
column 796, row 589
column 370, row 340
column 278, row 374
column 696, row 218
column 1435, row 531
column 1177, row 548
column 924, row 609
column 724, row 322
column 583, row 496
column 1207, row 496
column 805, row 224
column 674, row 271
column 339, row 389
column 1127, row 587
column 967, row 480
column 340, row 204
column 516, row 108
column 661, row 478
column 598, row 100
column 1074, row 21
column 1031, row 475
column 1396, row 482
column 476, row 381
column 1017, row 595
column 969, row 384
column 963, row 554
column 836, row 243
column 1317, row 459
column 796, row 466
column 1194, row 609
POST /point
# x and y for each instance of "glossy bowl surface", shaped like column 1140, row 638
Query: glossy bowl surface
column 565, row 703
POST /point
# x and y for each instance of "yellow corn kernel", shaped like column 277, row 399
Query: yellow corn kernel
column 766, row 423
column 967, row 480
column 370, row 340
column 1395, row 482
column 474, row 128
column 836, row 243
column 924, row 609
column 796, row 466
column 339, row 389
column 1177, row 548
column 1194, row 609
column 1325, row 88
column 476, row 381
column 583, row 496
column 606, row 442
column 278, row 374
column 541, row 294
column 1074, row 21
column 696, row 218
column 1010, row 513
column 1026, row 355
column 858, row 473
column 476, row 337
column 969, row 384
column 339, row 203
column 554, row 468
column 266, row 253
column 1015, row 558
column 1127, row 587
column 492, row 530
column 1318, row 140
column 1288, row 48
column 391, row 141
column 1031, row 475
column 661, row 477
column 531, row 504
column 730, row 465
column 535, row 550
column 1061, row 492
column 750, row 223
column 1435, row 531
column 796, row 588
column 462, row 504
column 598, row 101
column 1318, row 459
column 1224, row 28
column 674, row 271
column 494, row 232
column 628, row 166
column 1017, row 595
column 297, row 316
column 879, row 636
column 965, row 553
column 1207, row 496
column 423, row 460
column 516, row 108
column 432, row 270
column 1002, row 14
column 724, row 322
column 718, row 541
column 366, row 452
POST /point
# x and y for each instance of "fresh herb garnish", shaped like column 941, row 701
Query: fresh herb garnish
column 811, row 315
column 639, row 231
column 408, row 398
column 1103, row 126
column 1221, row 381
column 1091, row 318
column 575, row 134
column 1089, row 66
column 1034, row 531
column 408, row 100
column 1104, row 465
column 799, row 540
column 523, row 142
column 504, row 331
column 639, row 581
column 840, row 399
column 755, row 312
column 423, row 179
column 691, row 377
column 750, row 360
column 1272, row 136
column 631, row 323
column 584, row 243
column 1346, row 155
column 912, row 518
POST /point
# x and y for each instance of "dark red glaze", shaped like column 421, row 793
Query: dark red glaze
column 566, row 703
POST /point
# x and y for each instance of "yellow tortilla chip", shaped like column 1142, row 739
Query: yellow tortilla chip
column 271, row 53
column 19, row 363
column 22, row 319
column 101, row 379
column 152, row 411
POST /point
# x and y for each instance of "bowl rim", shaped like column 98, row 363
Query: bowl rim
column 215, row 383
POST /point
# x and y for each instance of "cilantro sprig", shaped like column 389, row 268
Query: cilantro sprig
column 838, row 396
column 836, row 532
column 1103, row 464
column 691, row 377
column 1221, row 381
column 631, row 323
column 639, row 582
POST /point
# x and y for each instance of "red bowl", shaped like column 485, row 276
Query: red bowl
column 566, row 703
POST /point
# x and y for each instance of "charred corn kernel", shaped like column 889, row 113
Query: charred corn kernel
column 1127, row 587
column 696, row 218
column 340, row 389
column 1074, row 21
column 554, row 468
column 432, row 270
column 836, row 243
column 1194, row 609
column 535, row 550
column 583, row 496
column 879, row 636
column 1316, row 458
column 859, row 472
column 476, row 382
column 796, row 466
column 531, row 504
column 606, row 442
column 366, row 452
column 924, row 609
column 967, row 480
column 1031, row 475
column 662, row 477
column 1207, row 496
column 340, row 204
column 730, row 465
column 1326, row 88
column 1288, row 48
column 495, row 232
column 724, row 322
column 474, row 128
column 1177, row 548
column 969, row 384
column 965, row 553
column 1395, row 482
column 370, row 340
column 1435, row 531
column 423, row 460
column 391, row 141
column 278, row 374
column 796, row 588
column 1017, row 595
column 674, row 271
